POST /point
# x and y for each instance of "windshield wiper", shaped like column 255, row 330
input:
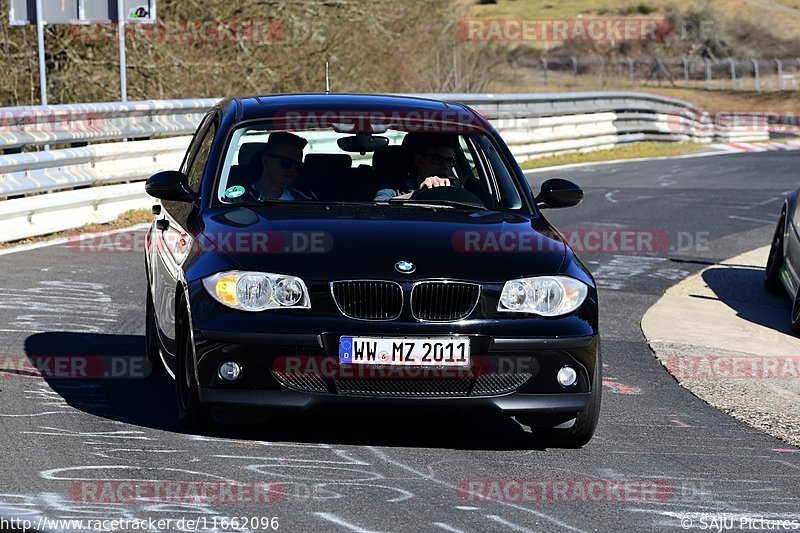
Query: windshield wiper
column 440, row 203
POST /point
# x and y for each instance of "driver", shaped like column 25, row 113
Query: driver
column 434, row 159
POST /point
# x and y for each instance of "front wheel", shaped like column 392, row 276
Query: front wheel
column 191, row 413
column 772, row 273
column 796, row 313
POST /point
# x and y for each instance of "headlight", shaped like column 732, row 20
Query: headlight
column 542, row 295
column 257, row 291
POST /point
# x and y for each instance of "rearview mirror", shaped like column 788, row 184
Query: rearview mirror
column 170, row 185
column 362, row 142
column 557, row 192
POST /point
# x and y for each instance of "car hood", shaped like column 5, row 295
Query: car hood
column 355, row 241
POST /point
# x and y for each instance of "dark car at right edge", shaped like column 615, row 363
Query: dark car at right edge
column 783, row 266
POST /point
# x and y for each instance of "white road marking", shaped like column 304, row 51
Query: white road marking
column 138, row 435
column 41, row 414
column 448, row 527
column 664, row 181
column 613, row 274
column 748, row 219
column 765, row 202
column 508, row 524
column 58, row 473
column 433, row 479
column 75, row 306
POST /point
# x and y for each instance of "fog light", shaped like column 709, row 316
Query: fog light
column 567, row 377
column 230, row 371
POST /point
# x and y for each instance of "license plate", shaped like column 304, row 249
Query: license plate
column 404, row 351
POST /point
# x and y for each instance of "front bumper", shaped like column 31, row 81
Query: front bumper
column 511, row 404
column 522, row 371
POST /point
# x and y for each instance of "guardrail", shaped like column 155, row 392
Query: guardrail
column 46, row 191
column 81, row 123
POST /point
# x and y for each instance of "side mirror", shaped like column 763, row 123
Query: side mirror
column 559, row 192
column 170, row 185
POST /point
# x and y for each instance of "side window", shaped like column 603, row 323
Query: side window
column 471, row 170
column 194, row 145
column 507, row 191
column 198, row 165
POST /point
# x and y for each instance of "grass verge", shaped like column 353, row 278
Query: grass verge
column 632, row 151
column 126, row 219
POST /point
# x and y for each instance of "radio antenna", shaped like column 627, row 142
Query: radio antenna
column 327, row 80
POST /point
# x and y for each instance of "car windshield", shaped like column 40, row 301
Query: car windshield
column 266, row 162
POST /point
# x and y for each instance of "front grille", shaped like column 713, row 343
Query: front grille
column 368, row 300
column 443, row 301
column 494, row 384
column 491, row 384
column 429, row 388
column 300, row 382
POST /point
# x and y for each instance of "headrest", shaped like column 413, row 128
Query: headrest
column 328, row 161
column 417, row 141
column 248, row 151
column 391, row 160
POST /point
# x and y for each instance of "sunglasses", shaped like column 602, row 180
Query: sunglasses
column 437, row 159
column 288, row 162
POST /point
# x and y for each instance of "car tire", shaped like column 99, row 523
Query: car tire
column 796, row 313
column 581, row 432
column 191, row 413
column 152, row 349
column 772, row 272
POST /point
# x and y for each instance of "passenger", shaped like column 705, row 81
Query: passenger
column 434, row 159
column 277, row 169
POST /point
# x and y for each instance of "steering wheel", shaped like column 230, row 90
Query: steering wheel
column 447, row 193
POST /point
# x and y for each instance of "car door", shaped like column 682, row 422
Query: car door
column 793, row 245
column 171, row 239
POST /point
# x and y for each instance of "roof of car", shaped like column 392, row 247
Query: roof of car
column 255, row 107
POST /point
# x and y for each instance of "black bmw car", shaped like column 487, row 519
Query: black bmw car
column 783, row 265
column 354, row 251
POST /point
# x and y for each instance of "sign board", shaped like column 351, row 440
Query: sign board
column 23, row 12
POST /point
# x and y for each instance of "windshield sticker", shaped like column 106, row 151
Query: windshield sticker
column 234, row 192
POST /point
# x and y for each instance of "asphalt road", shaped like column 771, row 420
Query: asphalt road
column 399, row 472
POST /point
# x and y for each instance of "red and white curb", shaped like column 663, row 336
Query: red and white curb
column 739, row 147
